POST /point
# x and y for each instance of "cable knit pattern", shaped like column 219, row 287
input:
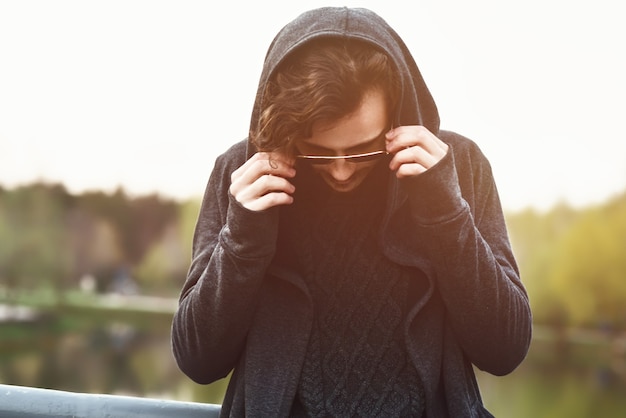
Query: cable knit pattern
column 356, row 362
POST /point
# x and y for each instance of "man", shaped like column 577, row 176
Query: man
column 350, row 258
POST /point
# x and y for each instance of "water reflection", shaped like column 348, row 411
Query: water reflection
column 62, row 352
column 536, row 392
column 573, row 381
column 79, row 355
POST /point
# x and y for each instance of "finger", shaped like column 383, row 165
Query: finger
column 266, row 162
column 403, row 137
column 264, row 185
column 244, row 167
column 263, row 163
column 261, row 178
column 410, row 170
column 282, row 163
column 269, row 200
column 268, row 184
column 412, row 155
column 407, row 136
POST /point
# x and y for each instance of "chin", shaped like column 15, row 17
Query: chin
column 343, row 187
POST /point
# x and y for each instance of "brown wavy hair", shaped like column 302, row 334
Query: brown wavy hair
column 321, row 83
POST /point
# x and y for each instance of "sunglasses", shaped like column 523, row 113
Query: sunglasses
column 353, row 158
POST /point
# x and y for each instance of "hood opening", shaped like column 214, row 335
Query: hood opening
column 415, row 103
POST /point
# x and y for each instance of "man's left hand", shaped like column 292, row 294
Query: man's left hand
column 415, row 150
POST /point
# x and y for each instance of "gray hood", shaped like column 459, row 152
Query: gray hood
column 417, row 106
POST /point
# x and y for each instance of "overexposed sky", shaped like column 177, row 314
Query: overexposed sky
column 144, row 94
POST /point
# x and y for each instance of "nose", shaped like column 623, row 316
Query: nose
column 341, row 170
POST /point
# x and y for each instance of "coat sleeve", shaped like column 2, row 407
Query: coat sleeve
column 232, row 248
column 456, row 205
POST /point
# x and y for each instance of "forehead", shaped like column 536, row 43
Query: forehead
column 358, row 128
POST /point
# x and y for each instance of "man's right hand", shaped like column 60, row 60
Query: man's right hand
column 261, row 182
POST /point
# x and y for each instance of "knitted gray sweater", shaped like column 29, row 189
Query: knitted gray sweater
column 356, row 361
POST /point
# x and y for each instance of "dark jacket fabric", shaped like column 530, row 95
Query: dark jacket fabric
column 243, row 312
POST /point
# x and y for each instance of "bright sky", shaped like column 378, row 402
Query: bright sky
column 145, row 94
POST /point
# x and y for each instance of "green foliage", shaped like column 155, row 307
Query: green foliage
column 137, row 221
column 51, row 238
column 34, row 242
column 164, row 267
column 534, row 238
column 590, row 266
column 572, row 261
column 189, row 212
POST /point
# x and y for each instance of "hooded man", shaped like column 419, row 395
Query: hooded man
column 350, row 258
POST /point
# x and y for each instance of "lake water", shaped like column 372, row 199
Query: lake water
column 66, row 354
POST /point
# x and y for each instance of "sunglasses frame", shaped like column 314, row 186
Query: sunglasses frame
column 353, row 158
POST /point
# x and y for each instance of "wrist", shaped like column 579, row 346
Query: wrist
column 435, row 195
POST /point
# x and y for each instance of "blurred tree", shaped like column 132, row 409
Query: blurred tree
column 188, row 216
column 138, row 222
column 5, row 243
column 35, row 241
column 589, row 270
column 164, row 267
column 151, row 217
column 573, row 262
column 534, row 237
column 95, row 247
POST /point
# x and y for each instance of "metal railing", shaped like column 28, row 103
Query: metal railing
column 27, row 402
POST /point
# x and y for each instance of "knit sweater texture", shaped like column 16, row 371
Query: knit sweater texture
column 356, row 362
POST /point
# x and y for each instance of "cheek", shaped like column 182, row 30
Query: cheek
column 321, row 169
column 360, row 170
column 365, row 168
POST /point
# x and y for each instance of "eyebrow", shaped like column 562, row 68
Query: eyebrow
column 363, row 144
